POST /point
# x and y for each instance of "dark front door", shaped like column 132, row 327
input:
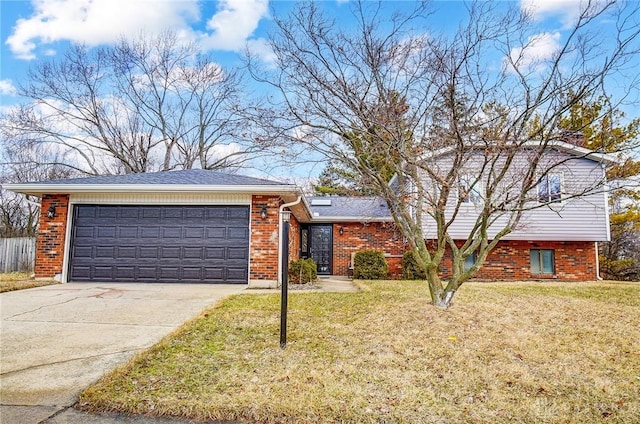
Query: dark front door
column 321, row 247
column 188, row 244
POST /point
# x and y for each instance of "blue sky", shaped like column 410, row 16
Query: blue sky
column 39, row 30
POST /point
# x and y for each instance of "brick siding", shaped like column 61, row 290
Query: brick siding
column 358, row 236
column 294, row 239
column 510, row 260
column 51, row 236
column 263, row 252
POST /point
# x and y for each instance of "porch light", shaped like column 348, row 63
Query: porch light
column 286, row 216
column 51, row 212
column 341, row 230
column 263, row 212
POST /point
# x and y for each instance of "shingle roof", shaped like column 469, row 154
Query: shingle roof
column 184, row 177
column 348, row 207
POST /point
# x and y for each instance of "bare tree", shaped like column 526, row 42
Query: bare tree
column 481, row 121
column 153, row 103
column 19, row 214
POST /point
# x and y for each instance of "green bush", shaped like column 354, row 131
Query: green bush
column 410, row 268
column 370, row 265
column 302, row 271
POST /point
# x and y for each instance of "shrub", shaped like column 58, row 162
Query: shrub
column 370, row 265
column 410, row 268
column 302, row 271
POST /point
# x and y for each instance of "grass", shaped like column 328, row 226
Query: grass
column 11, row 281
column 505, row 352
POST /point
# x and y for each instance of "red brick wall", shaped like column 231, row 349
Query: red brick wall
column 358, row 236
column 294, row 239
column 51, row 236
column 263, row 252
column 574, row 261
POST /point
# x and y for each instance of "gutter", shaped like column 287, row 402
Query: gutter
column 280, row 222
column 334, row 219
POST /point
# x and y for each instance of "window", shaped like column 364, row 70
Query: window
column 550, row 188
column 542, row 261
column 470, row 189
column 468, row 263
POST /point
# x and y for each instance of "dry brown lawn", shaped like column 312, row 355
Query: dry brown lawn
column 10, row 281
column 504, row 353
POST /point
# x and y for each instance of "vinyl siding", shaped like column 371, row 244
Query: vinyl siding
column 579, row 219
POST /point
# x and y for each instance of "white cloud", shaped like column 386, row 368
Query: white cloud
column 567, row 10
column 7, row 88
column 96, row 21
column 539, row 48
column 261, row 48
column 233, row 23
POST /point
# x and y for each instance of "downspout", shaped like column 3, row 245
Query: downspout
column 598, row 277
column 280, row 209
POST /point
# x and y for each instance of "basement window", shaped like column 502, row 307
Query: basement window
column 542, row 261
column 468, row 263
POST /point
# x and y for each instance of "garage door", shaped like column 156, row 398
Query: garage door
column 168, row 244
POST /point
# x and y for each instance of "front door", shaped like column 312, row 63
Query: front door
column 320, row 247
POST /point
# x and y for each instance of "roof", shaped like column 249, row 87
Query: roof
column 185, row 180
column 188, row 176
column 339, row 208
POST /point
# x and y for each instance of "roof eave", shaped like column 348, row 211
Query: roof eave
column 351, row 219
column 38, row 189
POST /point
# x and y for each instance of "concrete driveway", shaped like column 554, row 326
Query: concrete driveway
column 57, row 340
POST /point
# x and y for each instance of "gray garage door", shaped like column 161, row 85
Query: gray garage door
column 168, row 244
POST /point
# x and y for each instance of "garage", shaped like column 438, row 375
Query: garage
column 162, row 244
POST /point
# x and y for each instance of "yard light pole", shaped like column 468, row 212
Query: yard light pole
column 284, row 283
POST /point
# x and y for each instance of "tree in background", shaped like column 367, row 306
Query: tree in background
column 147, row 104
column 604, row 130
column 19, row 214
column 471, row 99
column 375, row 148
column 620, row 258
column 334, row 180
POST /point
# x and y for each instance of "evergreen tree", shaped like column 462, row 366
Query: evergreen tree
column 604, row 131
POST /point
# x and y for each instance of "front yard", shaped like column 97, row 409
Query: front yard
column 505, row 352
column 10, row 281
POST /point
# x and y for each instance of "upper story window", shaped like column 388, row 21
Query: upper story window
column 470, row 189
column 550, row 188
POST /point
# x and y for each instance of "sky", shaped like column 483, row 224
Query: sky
column 38, row 30
column 33, row 31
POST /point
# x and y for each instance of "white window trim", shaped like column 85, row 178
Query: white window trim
column 474, row 197
column 562, row 191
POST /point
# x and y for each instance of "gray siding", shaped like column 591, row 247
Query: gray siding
column 578, row 219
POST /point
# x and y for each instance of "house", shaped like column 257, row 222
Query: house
column 197, row 226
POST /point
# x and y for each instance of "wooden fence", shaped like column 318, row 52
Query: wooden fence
column 17, row 254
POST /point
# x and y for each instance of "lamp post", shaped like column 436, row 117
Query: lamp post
column 284, row 283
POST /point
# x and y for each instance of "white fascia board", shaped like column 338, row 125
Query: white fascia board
column 562, row 145
column 38, row 189
column 578, row 151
